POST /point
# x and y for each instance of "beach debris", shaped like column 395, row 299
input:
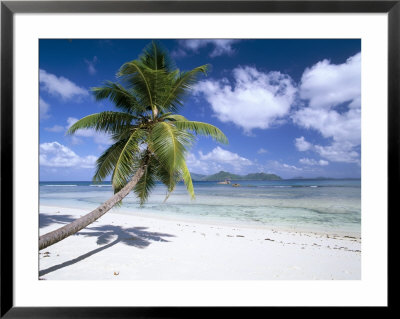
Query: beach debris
column 235, row 185
column 116, row 273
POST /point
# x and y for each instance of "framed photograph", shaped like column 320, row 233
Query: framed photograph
column 186, row 154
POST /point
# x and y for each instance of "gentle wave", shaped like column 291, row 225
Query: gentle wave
column 52, row 185
column 287, row 186
column 100, row 185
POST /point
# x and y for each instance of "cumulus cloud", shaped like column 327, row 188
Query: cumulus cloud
column 254, row 100
column 313, row 162
column 336, row 152
column 302, row 145
column 219, row 46
column 326, row 85
column 44, row 108
column 98, row 137
column 333, row 92
column 344, row 127
column 55, row 154
column 216, row 160
column 60, row 86
column 339, row 152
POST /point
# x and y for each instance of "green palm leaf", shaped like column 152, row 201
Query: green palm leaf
column 156, row 58
column 169, row 144
column 182, row 83
column 203, row 129
column 105, row 164
column 124, row 167
column 110, row 122
column 122, row 98
column 146, row 183
column 187, row 179
column 137, row 75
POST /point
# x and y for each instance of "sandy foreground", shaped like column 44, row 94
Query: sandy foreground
column 121, row 246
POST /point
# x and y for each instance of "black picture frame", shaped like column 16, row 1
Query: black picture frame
column 9, row 8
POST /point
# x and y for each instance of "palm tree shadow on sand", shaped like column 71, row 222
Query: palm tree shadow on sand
column 47, row 219
column 110, row 235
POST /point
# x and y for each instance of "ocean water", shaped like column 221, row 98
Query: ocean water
column 329, row 206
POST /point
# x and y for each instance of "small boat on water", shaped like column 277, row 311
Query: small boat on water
column 225, row 182
column 235, row 185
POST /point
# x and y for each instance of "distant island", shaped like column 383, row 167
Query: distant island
column 222, row 176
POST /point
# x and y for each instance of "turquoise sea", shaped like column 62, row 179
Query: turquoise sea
column 331, row 206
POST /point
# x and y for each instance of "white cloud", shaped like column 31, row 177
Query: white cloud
column 276, row 166
column 255, row 99
column 44, row 108
column 60, row 86
column 334, row 108
column 220, row 155
column 336, row 152
column 98, row 137
column 262, row 151
column 313, row 162
column 302, row 145
column 55, row 129
column 344, row 127
column 326, row 85
column 339, row 152
column 55, row 154
column 91, row 65
column 216, row 160
column 219, row 46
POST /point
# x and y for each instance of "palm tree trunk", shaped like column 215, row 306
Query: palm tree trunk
column 72, row 228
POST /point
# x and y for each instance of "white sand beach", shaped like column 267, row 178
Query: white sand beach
column 121, row 246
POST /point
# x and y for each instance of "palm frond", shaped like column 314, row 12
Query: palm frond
column 187, row 179
column 121, row 98
column 108, row 121
column 137, row 76
column 105, row 164
column 182, row 83
column 175, row 117
column 202, row 128
column 169, row 145
column 124, row 167
column 156, row 57
column 146, row 183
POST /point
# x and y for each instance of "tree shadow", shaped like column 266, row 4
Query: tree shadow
column 47, row 220
column 110, row 235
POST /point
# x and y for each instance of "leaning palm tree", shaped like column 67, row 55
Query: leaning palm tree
column 150, row 141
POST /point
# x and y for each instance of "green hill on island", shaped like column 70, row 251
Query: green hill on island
column 222, row 176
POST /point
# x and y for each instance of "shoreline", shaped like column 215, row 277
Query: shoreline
column 133, row 247
column 210, row 221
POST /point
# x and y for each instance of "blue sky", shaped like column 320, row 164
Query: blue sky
column 289, row 107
